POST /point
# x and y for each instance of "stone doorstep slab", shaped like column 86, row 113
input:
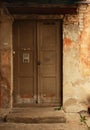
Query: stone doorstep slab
column 45, row 126
column 36, row 120
column 36, row 116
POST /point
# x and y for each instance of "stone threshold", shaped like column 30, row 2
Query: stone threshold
column 35, row 115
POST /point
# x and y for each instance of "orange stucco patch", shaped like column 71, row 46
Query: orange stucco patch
column 67, row 42
column 5, row 58
column 85, row 61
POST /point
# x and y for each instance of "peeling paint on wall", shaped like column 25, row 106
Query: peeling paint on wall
column 5, row 59
column 74, row 93
column 5, row 79
column 5, row 91
column 85, row 45
column 67, row 42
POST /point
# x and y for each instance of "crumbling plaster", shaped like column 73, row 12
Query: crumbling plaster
column 5, row 58
column 76, row 73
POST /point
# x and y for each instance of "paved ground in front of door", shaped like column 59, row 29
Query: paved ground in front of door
column 10, row 120
column 67, row 126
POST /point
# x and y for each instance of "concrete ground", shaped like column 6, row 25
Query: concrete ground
column 55, row 126
column 17, row 119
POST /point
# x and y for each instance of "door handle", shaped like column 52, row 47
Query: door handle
column 38, row 63
column 14, row 52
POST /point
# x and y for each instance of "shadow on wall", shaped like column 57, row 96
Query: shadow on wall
column 47, row 1
column 4, row 92
column 88, row 107
column 88, row 100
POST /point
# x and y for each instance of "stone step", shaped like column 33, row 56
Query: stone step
column 41, row 126
column 50, row 119
column 38, row 115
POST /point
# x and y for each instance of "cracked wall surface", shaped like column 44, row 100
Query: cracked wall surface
column 76, row 60
column 5, row 59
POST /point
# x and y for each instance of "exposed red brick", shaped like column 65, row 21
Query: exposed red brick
column 85, row 43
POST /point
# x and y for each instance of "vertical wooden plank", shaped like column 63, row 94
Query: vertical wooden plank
column 49, row 57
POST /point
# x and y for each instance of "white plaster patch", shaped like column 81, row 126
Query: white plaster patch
column 72, row 105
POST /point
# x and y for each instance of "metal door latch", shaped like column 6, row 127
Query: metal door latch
column 38, row 63
column 13, row 52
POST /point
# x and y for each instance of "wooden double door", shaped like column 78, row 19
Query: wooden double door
column 36, row 63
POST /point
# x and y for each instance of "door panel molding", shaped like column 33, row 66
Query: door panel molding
column 37, row 63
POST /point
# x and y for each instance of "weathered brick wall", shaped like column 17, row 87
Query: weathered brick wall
column 76, row 60
column 5, row 58
column 85, row 43
column 85, row 52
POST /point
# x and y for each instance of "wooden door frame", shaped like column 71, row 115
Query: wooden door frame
column 41, row 18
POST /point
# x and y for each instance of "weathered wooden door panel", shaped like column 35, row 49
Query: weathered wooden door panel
column 37, row 62
column 49, row 57
column 24, row 62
